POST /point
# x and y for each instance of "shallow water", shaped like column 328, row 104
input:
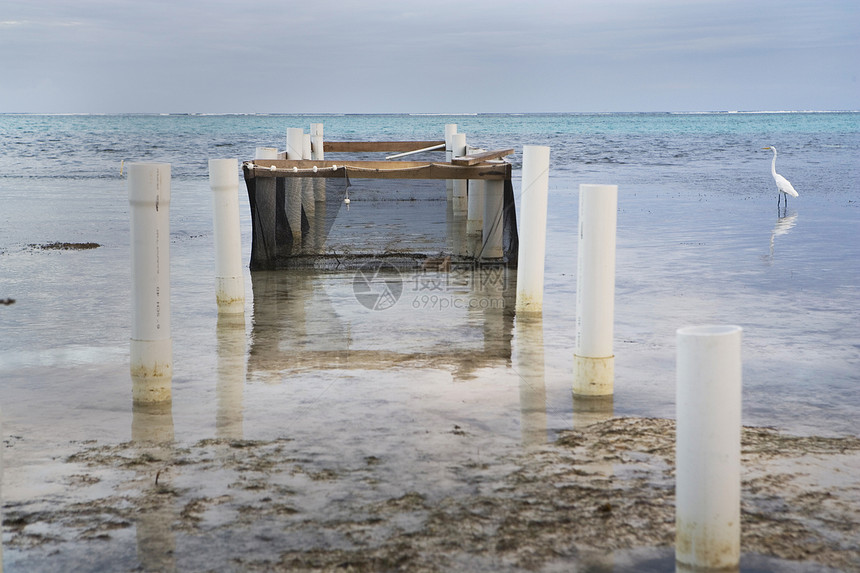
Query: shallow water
column 310, row 362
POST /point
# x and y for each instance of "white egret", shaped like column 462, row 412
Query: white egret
column 785, row 188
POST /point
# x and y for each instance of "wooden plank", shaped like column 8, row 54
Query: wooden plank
column 379, row 169
column 468, row 160
column 374, row 146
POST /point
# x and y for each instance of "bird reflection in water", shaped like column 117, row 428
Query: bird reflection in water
column 783, row 225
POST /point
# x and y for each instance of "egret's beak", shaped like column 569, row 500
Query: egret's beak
column 765, row 147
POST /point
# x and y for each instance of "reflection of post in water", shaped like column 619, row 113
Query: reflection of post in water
column 529, row 366
column 457, row 230
column 682, row 568
column 589, row 410
column 231, row 376
column 152, row 433
column 279, row 315
column 294, row 324
column 495, row 295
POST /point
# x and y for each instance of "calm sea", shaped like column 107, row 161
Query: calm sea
column 700, row 238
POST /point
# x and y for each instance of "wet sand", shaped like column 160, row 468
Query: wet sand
column 600, row 497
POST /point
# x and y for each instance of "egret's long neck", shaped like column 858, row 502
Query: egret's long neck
column 773, row 164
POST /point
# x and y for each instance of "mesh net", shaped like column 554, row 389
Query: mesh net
column 304, row 222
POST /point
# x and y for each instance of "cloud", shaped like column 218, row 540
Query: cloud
column 388, row 55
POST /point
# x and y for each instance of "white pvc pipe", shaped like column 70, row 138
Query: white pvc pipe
column 494, row 202
column 708, row 446
column 151, row 355
column 306, row 146
column 229, row 278
column 532, row 375
column 475, row 210
column 266, row 153
column 231, row 374
column 318, row 154
column 308, row 198
column 317, row 150
column 295, row 145
column 415, row 151
column 458, row 149
column 295, row 142
column 450, row 130
column 532, row 248
column 594, row 362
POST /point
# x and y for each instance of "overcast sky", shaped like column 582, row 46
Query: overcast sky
column 435, row 56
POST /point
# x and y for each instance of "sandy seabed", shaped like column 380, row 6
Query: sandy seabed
column 600, row 498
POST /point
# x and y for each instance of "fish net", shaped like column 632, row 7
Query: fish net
column 305, row 222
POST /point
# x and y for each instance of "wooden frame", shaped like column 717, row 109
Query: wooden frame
column 485, row 165
column 375, row 169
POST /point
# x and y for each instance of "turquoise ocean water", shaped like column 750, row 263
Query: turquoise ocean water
column 700, row 240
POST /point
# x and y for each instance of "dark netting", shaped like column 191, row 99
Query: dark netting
column 303, row 222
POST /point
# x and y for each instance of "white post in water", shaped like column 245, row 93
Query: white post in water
column 708, row 446
column 308, row 196
column 594, row 362
column 494, row 203
column 317, row 151
column 458, row 149
column 295, row 144
column 475, row 213
column 151, row 345
column 532, row 249
column 450, row 130
column 266, row 153
column 318, row 154
column 229, row 279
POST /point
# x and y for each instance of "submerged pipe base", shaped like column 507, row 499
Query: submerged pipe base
column 151, row 370
column 593, row 376
column 230, row 294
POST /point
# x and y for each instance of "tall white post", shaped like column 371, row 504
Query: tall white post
column 266, row 153
column 151, row 344
column 318, row 154
column 708, row 446
column 317, row 151
column 450, row 130
column 494, row 203
column 306, row 145
column 295, row 145
column 594, row 362
column 308, row 197
column 532, row 248
column 295, row 142
column 229, row 278
column 475, row 211
column 458, row 149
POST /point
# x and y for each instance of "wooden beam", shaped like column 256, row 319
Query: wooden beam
column 373, row 146
column 378, row 169
column 477, row 158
